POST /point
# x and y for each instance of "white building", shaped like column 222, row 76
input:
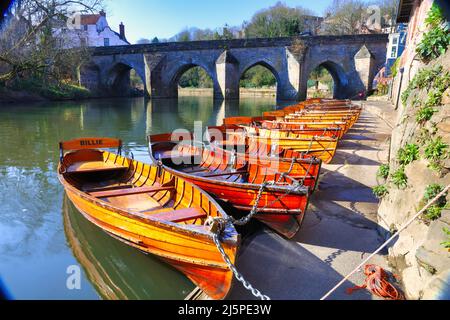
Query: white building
column 91, row 30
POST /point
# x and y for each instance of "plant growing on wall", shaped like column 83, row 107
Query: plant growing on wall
column 446, row 243
column 434, row 211
column 408, row 154
column 399, row 178
column 424, row 114
column 383, row 171
column 435, row 151
column 435, row 42
column 380, row 191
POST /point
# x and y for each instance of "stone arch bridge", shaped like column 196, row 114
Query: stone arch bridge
column 352, row 61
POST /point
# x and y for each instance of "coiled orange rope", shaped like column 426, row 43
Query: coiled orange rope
column 377, row 282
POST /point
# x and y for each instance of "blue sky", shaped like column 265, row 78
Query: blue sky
column 165, row 18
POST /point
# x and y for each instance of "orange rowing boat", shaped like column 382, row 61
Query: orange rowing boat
column 149, row 208
column 247, row 186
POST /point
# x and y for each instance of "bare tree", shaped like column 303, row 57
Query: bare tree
column 344, row 17
column 28, row 45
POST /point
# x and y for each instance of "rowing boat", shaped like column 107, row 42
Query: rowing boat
column 149, row 208
column 245, row 185
column 321, row 147
column 264, row 122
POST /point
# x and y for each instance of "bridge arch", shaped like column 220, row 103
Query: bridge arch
column 118, row 78
column 267, row 66
column 337, row 72
column 183, row 69
column 89, row 76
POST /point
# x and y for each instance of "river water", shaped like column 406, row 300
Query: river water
column 44, row 242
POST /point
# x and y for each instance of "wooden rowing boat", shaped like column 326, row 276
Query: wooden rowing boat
column 322, row 147
column 304, row 129
column 264, row 122
column 282, row 204
column 148, row 208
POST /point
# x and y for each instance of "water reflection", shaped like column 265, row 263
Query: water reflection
column 116, row 270
column 34, row 254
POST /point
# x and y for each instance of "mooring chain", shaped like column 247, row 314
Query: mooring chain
column 285, row 174
column 246, row 219
column 218, row 225
column 307, row 171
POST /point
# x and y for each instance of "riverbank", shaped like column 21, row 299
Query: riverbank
column 33, row 91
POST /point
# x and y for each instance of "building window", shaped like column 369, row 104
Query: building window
column 106, row 41
column 394, row 52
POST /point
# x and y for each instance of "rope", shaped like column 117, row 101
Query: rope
column 377, row 281
column 387, row 242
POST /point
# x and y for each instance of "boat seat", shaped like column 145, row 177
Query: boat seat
column 168, row 154
column 93, row 166
column 129, row 191
column 180, row 215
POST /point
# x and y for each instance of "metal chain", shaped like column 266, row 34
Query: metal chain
column 239, row 277
column 246, row 219
column 307, row 171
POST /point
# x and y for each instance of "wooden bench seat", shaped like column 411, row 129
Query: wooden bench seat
column 180, row 215
column 129, row 191
column 93, row 166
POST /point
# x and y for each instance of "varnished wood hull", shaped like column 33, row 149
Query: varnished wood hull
column 187, row 246
column 304, row 170
column 320, row 147
column 281, row 206
column 284, row 216
column 333, row 132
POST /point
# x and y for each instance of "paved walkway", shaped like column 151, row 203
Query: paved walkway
column 340, row 227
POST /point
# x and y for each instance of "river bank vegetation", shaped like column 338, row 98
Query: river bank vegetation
column 33, row 61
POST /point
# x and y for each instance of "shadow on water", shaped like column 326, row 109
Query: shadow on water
column 116, row 270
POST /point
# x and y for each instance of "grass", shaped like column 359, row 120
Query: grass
column 383, row 171
column 408, row 154
column 52, row 91
column 399, row 178
column 380, row 191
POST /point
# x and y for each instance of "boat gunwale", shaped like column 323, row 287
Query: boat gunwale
column 304, row 190
column 148, row 219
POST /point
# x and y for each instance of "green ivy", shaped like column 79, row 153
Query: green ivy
column 435, row 42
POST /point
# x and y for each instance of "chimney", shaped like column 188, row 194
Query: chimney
column 122, row 31
column 102, row 13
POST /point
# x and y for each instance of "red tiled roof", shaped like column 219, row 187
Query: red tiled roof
column 89, row 18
